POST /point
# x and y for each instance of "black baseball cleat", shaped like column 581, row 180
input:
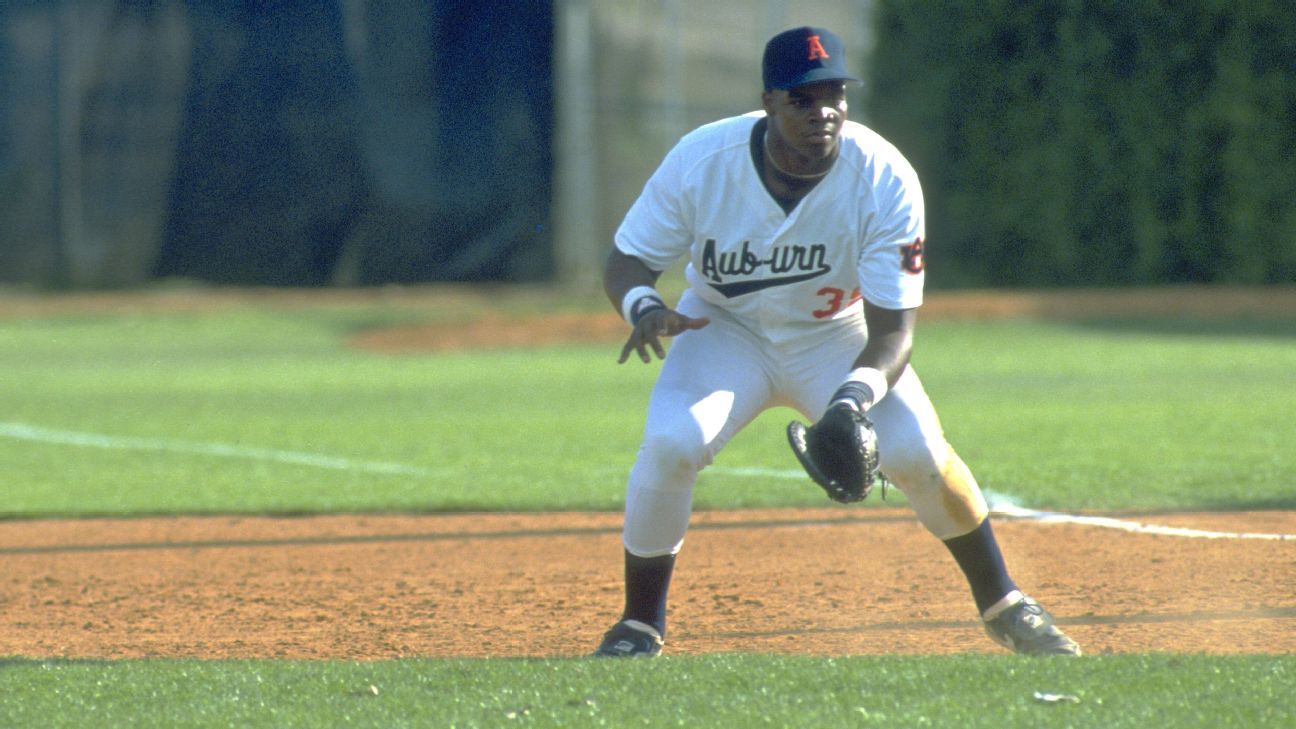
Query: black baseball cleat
column 1027, row 628
column 630, row 639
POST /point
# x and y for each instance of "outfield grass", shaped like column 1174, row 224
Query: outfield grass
column 263, row 408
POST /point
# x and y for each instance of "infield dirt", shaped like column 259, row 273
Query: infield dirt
column 833, row 581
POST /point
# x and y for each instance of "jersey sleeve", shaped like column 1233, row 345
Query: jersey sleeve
column 657, row 227
column 891, row 264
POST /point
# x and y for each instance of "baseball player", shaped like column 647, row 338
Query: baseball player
column 804, row 236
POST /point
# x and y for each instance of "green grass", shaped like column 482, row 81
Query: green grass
column 192, row 412
column 1122, row 414
column 1112, row 416
column 719, row 690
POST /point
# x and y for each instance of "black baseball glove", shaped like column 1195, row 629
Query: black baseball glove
column 839, row 452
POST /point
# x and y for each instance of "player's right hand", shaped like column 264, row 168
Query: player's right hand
column 652, row 327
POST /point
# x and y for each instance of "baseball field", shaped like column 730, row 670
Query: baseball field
column 401, row 507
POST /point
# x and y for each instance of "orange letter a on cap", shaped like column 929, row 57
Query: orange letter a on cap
column 816, row 48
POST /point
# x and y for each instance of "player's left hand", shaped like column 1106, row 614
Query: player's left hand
column 839, row 452
column 652, row 327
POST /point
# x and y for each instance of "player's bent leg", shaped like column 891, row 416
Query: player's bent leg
column 712, row 384
column 659, row 493
column 659, row 499
column 939, row 486
column 916, row 458
column 949, row 503
column 946, row 505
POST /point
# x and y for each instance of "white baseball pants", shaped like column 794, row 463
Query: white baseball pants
column 717, row 379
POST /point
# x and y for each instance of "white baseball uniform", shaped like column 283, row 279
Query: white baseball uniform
column 782, row 290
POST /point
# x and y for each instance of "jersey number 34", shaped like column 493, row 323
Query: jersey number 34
column 835, row 301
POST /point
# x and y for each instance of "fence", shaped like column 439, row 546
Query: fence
column 352, row 142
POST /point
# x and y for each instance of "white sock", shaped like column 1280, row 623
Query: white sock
column 1004, row 603
column 643, row 627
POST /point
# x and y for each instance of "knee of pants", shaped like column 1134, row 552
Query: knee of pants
column 914, row 466
column 941, row 490
column 676, row 455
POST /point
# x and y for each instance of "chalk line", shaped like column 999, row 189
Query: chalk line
column 1105, row 522
column 1001, row 505
column 23, row 431
column 779, row 473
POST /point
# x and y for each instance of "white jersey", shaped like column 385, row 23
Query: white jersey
column 859, row 232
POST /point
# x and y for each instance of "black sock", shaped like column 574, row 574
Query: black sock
column 647, row 580
column 977, row 553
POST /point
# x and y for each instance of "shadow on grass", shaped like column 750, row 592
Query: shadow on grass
column 1276, row 503
column 1275, row 327
column 21, row 662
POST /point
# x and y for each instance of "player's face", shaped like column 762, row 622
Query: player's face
column 809, row 118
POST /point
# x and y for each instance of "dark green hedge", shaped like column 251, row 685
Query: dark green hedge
column 1068, row 143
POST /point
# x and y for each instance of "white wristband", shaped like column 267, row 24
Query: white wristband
column 871, row 378
column 632, row 297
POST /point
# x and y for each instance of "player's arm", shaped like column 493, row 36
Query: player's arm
column 885, row 357
column 839, row 452
column 628, row 283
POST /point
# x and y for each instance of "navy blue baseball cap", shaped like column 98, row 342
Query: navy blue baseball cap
column 803, row 56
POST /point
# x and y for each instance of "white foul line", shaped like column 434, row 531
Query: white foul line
column 786, row 474
column 999, row 505
column 23, row 431
column 1104, row 522
column 1002, row 506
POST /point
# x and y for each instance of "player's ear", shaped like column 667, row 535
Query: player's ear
column 767, row 100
